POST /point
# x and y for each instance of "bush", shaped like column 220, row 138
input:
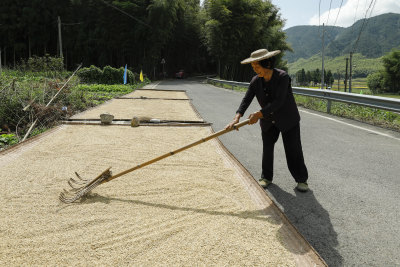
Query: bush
column 108, row 75
column 375, row 82
column 90, row 75
column 8, row 140
column 46, row 63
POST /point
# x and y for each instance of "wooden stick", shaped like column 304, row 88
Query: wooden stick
column 51, row 100
column 235, row 127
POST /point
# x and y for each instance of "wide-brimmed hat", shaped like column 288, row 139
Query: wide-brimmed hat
column 260, row 55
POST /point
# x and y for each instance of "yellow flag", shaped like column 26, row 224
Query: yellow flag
column 141, row 76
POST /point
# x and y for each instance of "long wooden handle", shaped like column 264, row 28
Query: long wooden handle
column 235, row 127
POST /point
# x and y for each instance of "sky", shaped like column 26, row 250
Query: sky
column 306, row 12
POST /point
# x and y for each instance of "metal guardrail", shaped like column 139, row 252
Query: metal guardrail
column 385, row 103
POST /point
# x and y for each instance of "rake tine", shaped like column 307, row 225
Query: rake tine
column 85, row 180
column 70, row 199
column 73, row 187
column 77, row 192
column 77, row 182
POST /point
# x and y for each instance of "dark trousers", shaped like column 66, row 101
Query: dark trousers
column 293, row 151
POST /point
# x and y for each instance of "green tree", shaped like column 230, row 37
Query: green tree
column 391, row 64
column 308, row 77
column 316, row 76
column 329, row 78
column 301, row 77
column 375, row 82
column 235, row 28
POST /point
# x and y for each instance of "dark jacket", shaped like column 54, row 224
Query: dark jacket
column 276, row 100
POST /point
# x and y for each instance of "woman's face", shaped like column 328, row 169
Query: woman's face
column 261, row 72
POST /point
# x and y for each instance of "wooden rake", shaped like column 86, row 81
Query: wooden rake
column 81, row 187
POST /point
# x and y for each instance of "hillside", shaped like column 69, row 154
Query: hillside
column 362, row 66
column 380, row 35
column 306, row 41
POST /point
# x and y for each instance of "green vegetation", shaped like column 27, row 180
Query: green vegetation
column 379, row 35
column 24, row 96
column 107, row 75
column 233, row 29
column 372, row 116
column 7, row 140
column 362, row 66
column 388, row 78
column 198, row 39
column 306, row 40
column 304, row 78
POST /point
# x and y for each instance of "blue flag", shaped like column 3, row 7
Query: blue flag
column 125, row 74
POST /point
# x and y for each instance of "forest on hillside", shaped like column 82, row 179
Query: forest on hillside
column 372, row 38
column 212, row 38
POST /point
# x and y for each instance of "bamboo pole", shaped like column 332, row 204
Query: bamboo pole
column 235, row 127
column 51, row 100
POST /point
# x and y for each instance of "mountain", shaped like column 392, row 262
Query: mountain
column 306, row 41
column 378, row 36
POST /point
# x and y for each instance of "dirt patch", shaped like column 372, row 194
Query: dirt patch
column 188, row 209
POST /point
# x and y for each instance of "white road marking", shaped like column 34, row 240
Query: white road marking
column 348, row 124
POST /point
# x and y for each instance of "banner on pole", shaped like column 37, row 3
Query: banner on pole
column 125, row 74
column 141, row 76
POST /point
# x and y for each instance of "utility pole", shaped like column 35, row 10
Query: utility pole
column 59, row 36
column 338, row 80
column 351, row 69
column 323, row 40
column 346, row 75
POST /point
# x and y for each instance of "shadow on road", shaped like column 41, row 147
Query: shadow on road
column 312, row 221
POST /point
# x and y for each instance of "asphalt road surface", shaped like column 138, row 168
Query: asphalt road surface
column 351, row 214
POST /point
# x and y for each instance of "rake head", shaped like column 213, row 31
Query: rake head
column 81, row 187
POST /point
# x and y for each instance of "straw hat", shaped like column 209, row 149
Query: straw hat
column 260, row 55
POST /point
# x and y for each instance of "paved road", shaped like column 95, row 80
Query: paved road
column 351, row 215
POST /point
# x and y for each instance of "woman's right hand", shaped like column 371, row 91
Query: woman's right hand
column 233, row 122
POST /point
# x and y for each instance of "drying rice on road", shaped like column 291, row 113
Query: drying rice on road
column 188, row 209
column 153, row 108
column 158, row 94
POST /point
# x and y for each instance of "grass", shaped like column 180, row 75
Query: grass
column 362, row 65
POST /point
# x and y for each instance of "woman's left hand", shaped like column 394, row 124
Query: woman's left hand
column 254, row 117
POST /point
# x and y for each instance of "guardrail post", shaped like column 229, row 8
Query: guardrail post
column 328, row 106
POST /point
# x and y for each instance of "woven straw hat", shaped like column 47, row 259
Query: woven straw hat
column 260, row 55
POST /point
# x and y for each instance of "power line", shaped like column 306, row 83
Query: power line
column 319, row 18
column 129, row 15
column 329, row 13
column 364, row 24
column 338, row 13
column 355, row 15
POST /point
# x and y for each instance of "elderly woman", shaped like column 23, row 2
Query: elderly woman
column 278, row 114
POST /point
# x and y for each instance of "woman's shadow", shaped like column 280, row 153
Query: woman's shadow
column 311, row 219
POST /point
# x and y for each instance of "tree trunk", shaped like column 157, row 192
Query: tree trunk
column 14, row 56
column 29, row 47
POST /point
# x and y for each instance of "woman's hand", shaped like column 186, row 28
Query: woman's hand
column 233, row 122
column 254, row 117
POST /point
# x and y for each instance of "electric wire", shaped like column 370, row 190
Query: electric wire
column 355, row 15
column 329, row 13
column 129, row 15
column 319, row 18
column 338, row 12
column 364, row 23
